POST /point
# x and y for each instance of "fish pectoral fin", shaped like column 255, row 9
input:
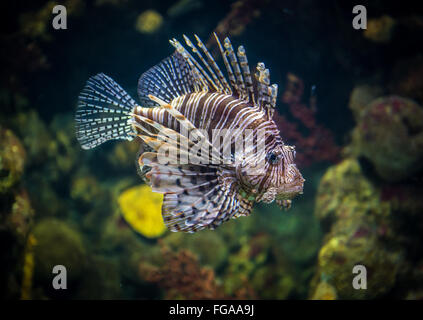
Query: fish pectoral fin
column 245, row 208
column 196, row 208
column 194, row 198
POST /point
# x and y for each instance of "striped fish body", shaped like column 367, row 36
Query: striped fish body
column 217, row 112
column 211, row 112
column 184, row 105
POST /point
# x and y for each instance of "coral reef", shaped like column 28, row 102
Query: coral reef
column 208, row 246
column 141, row 208
column 123, row 155
column 182, row 277
column 361, row 96
column 16, row 219
column 21, row 216
column 101, row 279
column 318, row 144
column 380, row 29
column 324, row 291
column 28, row 268
column 58, row 244
column 259, row 268
column 406, row 79
column 35, row 24
column 361, row 233
column 12, row 159
column 35, row 135
column 63, row 149
column 389, row 134
column 149, row 22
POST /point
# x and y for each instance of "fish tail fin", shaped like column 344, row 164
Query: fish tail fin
column 103, row 113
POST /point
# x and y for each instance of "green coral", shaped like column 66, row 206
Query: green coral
column 64, row 150
column 207, row 245
column 273, row 283
column 35, row 135
column 360, row 98
column 360, row 233
column 12, row 159
column 344, row 191
column 58, row 244
column 101, row 280
column 22, row 214
column 389, row 134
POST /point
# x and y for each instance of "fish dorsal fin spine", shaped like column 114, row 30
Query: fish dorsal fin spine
column 222, row 80
column 206, row 73
column 266, row 93
column 181, row 73
column 229, row 51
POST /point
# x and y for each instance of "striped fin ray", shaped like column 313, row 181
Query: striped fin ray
column 209, row 77
column 175, row 177
column 194, row 198
column 176, row 145
column 213, row 82
column 170, row 152
column 169, row 79
column 103, row 112
column 138, row 121
column 195, row 133
column 201, row 209
column 229, row 51
column 245, row 208
column 228, row 66
column 267, row 93
column 197, row 70
column 243, row 61
column 226, row 88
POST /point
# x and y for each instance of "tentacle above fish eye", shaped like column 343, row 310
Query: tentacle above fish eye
column 289, row 153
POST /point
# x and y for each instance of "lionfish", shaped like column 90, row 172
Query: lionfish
column 184, row 100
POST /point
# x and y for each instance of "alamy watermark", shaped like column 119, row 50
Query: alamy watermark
column 60, row 20
column 60, row 280
column 360, row 280
column 360, row 20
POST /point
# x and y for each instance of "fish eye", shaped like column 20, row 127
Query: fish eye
column 273, row 157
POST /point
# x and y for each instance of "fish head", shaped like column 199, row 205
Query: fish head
column 277, row 179
column 287, row 179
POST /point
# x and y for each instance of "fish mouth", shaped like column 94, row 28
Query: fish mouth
column 290, row 190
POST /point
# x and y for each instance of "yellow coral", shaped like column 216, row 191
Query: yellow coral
column 28, row 268
column 324, row 291
column 380, row 29
column 149, row 21
column 141, row 208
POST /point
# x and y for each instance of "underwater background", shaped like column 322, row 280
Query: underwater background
column 350, row 101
